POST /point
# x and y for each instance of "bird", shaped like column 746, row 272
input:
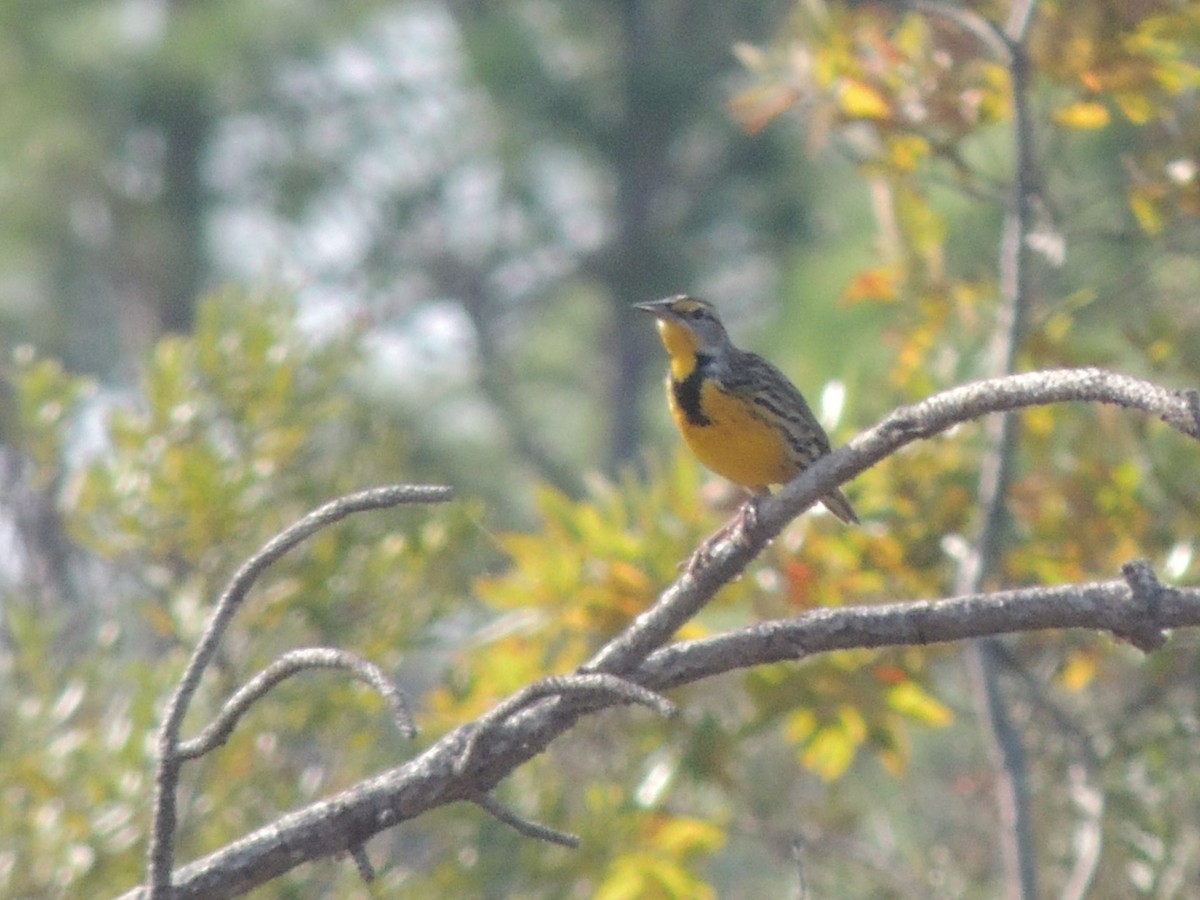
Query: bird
column 738, row 413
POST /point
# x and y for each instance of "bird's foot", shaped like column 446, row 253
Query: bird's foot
column 747, row 518
column 738, row 529
column 702, row 554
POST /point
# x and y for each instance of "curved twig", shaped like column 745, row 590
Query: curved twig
column 162, row 836
column 525, row 826
column 997, row 42
column 288, row 664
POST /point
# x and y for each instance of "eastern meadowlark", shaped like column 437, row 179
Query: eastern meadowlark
column 738, row 413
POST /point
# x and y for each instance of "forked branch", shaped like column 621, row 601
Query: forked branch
column 162, row 836
column 467, row 763
column 683, row 599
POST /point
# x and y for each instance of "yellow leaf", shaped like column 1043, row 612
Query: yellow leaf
column 663, row 864
column 1084, row 114
column 1146, row 211
column 859, row 100
column 923, row 225
column 905, row 152
column 1177, row 76
column 635, row 876
column 834, row 746
column 1126, row 476
column 800, row 725
column 682, row 835
column 1039, row 421
column 1160, row 351
column 911, row 700
column 1136, row 107
column 830, row 753
column 1058, row 325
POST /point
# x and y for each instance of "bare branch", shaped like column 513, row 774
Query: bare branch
column 1088, row 838
column 292, row 663
column 609, row 687
column 523, row 825
column 162, row 837
column 437, row 777
column 1107, row 605
column 1147, row 633
column 729, row 556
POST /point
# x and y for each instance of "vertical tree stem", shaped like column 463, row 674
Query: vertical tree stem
column 1004, row 742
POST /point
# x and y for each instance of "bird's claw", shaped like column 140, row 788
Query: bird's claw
column 737, row 529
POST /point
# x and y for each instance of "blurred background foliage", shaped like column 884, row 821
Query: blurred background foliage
column 254, row 256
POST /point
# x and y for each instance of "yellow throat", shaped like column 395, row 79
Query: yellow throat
column 681, row 345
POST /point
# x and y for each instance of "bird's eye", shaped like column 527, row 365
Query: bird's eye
column 696, row 314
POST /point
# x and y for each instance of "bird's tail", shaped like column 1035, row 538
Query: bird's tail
column 837, row 504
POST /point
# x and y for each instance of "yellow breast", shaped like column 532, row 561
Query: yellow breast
column 735, row 443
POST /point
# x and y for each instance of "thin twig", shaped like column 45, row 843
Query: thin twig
column 1088, row 840
column 1084, row 791
column 162, row 835
column 1007, row 46
column 362, row 862
column 1062, row 723
column 523, row 825
column 797, row 849
column 292, row 663
column 992, row 38
column 1020, row 17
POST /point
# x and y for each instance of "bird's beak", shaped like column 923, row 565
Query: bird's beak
column 659, row 308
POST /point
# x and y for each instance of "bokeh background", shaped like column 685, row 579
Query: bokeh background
column 253, row 256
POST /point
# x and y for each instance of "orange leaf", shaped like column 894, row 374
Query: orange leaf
column 879, row 285
column 1078, row 672
column 800, row 577
column 891, row 675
